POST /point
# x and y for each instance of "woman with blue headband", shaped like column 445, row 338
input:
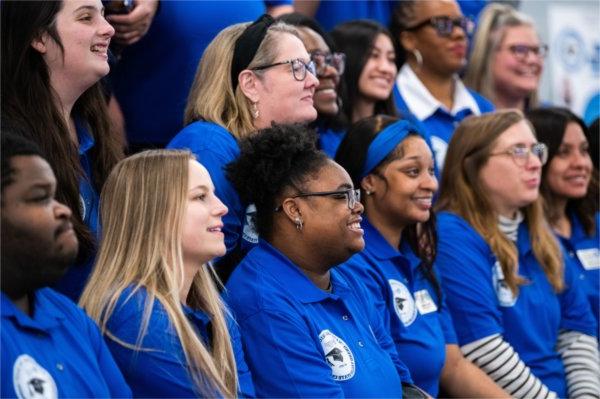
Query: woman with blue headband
column 392, row 163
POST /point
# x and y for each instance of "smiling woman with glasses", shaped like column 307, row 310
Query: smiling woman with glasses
column 507, row 59
column 517, row 306
column 432, row 37
column 330, row 66
column 250, row 76
column 307, row 326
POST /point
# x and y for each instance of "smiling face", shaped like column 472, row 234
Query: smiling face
column 442, row 56
column 202, row 238
column 325, row 98
column 402, row 190
column 508, row 185
column 85, row 36
column 514, row 77
column 281, row 98
column 332, row 230
column 377, row 76
column 38, row 241
column 569, row 171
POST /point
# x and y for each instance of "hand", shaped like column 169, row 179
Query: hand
column 130, row 28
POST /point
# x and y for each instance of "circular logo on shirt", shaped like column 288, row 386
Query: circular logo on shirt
column 82, row 207
column 404, row 303
column 249, row 233
column 31, row 380
column 503, row 292
column 338, row 355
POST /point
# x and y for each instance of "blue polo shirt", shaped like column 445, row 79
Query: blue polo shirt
column 329, row 140
column 419, row 321
column 58, row 352
column 301, row 341
column 584, row 252
column 153, row 78
column 482, row 305
column 159, row 369
column 74, row 280
column 331, row 13
column 214, row 148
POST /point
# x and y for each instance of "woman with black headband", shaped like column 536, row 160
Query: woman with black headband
column 250, row 76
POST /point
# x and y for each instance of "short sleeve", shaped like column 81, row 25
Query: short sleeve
column 576, row 313
column 465, row 265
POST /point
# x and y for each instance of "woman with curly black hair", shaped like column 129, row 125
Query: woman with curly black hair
column 307, row 327
column 392, row 163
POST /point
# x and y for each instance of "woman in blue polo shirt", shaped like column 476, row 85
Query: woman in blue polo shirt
column 249, row 76
column 393, row 165
column 518, row 311
column 152, row 291
column 51, row 90
column 308, row 328
column 570, row 205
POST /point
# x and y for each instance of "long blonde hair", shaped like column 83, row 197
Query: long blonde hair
column 491, row 30
column 212, row 97
column 463, row 194
column 142, row 209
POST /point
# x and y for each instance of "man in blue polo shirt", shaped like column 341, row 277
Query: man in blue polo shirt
column 50, row 348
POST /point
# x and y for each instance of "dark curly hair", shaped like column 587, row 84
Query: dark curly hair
column 550, row 124
column 351, row 155
column 270, row 161
column 13, row 145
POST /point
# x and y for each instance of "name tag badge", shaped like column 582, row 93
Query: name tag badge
column 589, row 258
column 424, row 302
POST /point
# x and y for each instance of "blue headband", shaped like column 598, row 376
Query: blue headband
column 385, row 142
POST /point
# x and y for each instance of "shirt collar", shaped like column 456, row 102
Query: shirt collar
column 523, row 239
column 45, row 316
column 86, row 141
column 275, row 264
column 380, row 249
column 422, row 103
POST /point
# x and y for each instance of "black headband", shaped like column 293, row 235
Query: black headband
column 247, row 45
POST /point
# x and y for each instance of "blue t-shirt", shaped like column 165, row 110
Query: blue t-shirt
column 331, row 13
column 301, row 341
column 58, row 352
column 419, row 321
column 74, row 280
column 154, row 76
column 214, row 148
column 441, row 124
column 584, row 252
column 158, row 370
column 482, row 304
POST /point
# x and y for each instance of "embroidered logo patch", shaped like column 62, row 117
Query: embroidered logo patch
column 338, row 355
column 249, row 233
column 503, row 292
column 31, row 380
column 404, row 303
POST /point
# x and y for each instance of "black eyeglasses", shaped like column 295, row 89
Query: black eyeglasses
column 352, row 196
column 520, row 153
column 521, row 51
column 299, row 68
column 322, row 60
column 444, row 25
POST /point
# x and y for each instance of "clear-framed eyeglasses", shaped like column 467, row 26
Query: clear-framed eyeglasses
column 520, row 153
column 352, row 196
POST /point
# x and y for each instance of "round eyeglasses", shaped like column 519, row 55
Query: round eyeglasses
column 352, row 196
column 444, row 25
column 520, row 153
column 299, row 68
column 323, row 60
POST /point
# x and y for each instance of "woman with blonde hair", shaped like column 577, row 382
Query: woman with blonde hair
column 249, row 76
column 507, row 58
column 517, row 309
column 152, row 290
